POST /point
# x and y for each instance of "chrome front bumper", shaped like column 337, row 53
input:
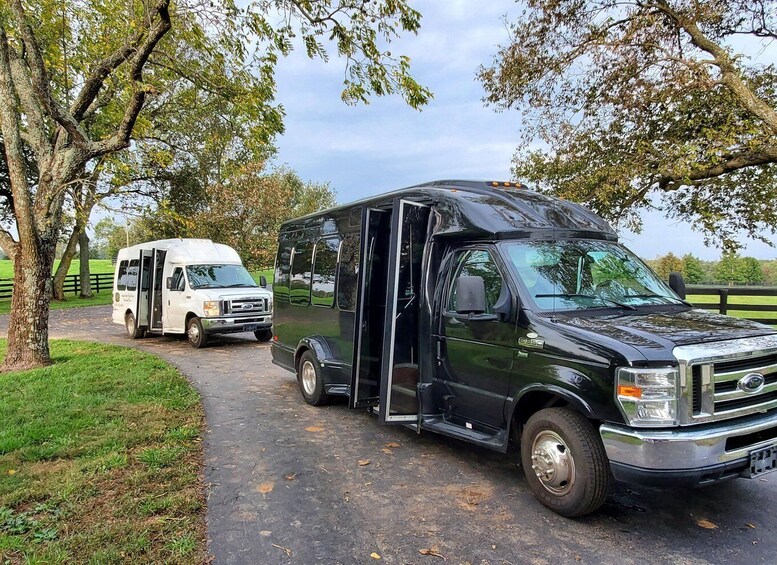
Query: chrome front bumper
column 696, row 447
column 237, row 324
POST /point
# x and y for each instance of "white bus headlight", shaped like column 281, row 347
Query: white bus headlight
column 211, row 308
column 648, row 397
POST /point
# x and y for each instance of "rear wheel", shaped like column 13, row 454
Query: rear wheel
column 564, row 462
column 263, row 335
column 310, row 383
column 195, row 334
column 133, row 331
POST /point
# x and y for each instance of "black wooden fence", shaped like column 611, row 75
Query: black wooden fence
column 100, row 281
column 726, row 306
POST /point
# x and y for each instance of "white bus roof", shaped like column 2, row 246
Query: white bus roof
column 186, row 251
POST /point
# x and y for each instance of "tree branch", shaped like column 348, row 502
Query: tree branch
column 40, row 79
column 120, row 139
column 668, row 182
column 14, row 151
column 729, row 72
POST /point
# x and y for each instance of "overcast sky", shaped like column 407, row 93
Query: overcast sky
column 366, row 150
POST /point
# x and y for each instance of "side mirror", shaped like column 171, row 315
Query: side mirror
column 470, row 295
column 169, row 283
column 263, row 281
column 677, row 284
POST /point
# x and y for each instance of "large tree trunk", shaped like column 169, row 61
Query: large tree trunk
column 28, row 329
column 84, row 203
column 64, row 263
column 83, row 257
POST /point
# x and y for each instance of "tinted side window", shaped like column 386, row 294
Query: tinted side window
column 324, row 271
column 301, row 259
column 348, row 277
column 132, row 275
column 280, row 285
column 121, row 280
column 479, row 263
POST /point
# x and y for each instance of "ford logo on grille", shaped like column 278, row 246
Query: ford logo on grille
column 249, row 306
column 752, row 382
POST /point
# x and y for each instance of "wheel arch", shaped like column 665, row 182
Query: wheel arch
column 534, row 398
column 315, row 344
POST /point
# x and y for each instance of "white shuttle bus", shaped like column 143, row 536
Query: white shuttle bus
column 191, row 286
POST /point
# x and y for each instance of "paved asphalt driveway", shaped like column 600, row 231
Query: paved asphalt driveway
column 285, row 483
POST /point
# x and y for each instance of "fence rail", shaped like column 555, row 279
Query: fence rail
column 99, row 281
column 725, row 306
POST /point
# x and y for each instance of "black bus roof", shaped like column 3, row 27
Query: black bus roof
column 482, row 209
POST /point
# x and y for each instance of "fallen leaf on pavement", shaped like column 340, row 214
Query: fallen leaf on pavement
column 264, row 488
column 392, row 444
column 363, row 462
column 285, row 549
column 314, row 429
column 384, row 450
column 433, row 552
column 750, row 525
column 706, row 524
column 290, row 476
column 374, row 555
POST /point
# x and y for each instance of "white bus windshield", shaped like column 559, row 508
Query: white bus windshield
column 219, row 276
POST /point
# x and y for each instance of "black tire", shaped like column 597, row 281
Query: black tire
column 195, row 334
column 263, row 335
column 310, row 382
column 133, row 331
column 579, row 457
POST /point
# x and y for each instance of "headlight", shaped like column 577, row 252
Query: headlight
column 648, row 397
column 211, row 308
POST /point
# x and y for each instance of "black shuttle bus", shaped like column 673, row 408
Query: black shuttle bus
column 488, row 312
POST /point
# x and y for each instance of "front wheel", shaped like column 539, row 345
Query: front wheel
column 133, row 331
column 564, row 462
column 263, row 335
column 195, row 334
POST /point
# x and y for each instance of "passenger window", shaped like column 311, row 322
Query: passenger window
column 347, row 276
column 179, row 282
column 479, row 263
column 280, row 287
column 301, row 258
column 132, row 275
column 121, row 280
column 324, row 271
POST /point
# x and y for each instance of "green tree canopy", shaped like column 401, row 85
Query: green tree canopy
column 693, row 269
column 80, row 82
column 635, row 104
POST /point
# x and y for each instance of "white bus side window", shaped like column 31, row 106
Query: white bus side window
column 121, row 281
column 132, row 275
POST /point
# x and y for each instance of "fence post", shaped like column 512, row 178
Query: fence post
column 723, row 309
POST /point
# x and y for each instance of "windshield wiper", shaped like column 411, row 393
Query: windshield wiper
column 241, row 285
column 671, row 299
column 593, row 296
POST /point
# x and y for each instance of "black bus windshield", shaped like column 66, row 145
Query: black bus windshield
column 219, row 276
column 583, row 273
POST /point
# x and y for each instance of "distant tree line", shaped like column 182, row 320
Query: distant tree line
column 730, row 269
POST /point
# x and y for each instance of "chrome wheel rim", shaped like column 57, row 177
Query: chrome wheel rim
column 194, row 333
column 130, row 323
column 552, row 462
column 308, row 378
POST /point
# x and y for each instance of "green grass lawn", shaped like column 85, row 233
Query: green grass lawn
column 100, row 460
column 95, row 266
column 268, row 274
column 713, row 299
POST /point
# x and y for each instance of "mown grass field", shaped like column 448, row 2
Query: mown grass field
column 95, row 266
column 99, row 299
column 100, row 460
column 710, row 299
